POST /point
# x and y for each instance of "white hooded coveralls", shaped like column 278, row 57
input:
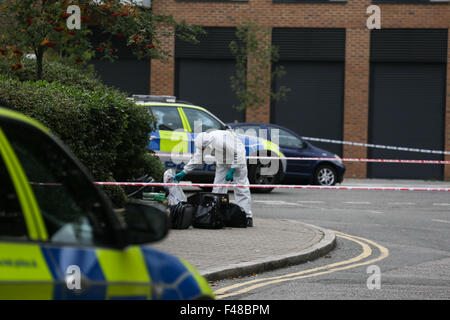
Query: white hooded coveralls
column 229, row 153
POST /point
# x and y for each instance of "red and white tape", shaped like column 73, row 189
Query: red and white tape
column 378, row 146
column 359, row 160
column 277, row 186
column 187, row 156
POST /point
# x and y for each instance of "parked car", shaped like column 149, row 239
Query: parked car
column 320, row 172
column 173, row 140
column 60, row 237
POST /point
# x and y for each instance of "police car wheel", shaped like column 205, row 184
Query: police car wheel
column 255, row 177
column 325, row 175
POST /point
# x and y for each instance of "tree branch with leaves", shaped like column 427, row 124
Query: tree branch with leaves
column 40, row 26
column 256, row 67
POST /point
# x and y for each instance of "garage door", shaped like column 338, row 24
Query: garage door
column 203, row 71
column 407, row 100
column 314, row 64
column 127, row 73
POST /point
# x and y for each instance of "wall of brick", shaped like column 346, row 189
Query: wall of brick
column 162, row 79
column 356, row 97
column 350, row 15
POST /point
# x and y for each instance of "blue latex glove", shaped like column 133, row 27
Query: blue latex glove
column 230, row 173
column 179, row 176
column 160, row 197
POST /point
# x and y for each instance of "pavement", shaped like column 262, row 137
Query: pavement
column 236, row 252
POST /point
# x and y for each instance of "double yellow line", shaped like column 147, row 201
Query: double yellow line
column 314, row 272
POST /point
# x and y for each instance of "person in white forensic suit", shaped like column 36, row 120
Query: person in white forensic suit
column 229, row 154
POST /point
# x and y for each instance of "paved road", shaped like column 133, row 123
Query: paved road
column 403, row 234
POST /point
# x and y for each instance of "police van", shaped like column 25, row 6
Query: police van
column 178, row 122
column 60, row 237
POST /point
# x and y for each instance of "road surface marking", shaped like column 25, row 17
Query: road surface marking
column 438, row 220
column 269, row 201
column 308, row 201
column 402, row 203
column 441, row 204
column 346, row 264
column 366, row 252
column 291, row 203
column 278, row 202
column 357, row 202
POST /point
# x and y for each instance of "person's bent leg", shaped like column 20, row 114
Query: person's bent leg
column 242, row 195
column 219, row 178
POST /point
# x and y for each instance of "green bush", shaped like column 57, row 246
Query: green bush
column 106, row 131
column 82, row 78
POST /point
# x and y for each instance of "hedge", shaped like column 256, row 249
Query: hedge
column 81, row 78
column 104, row 129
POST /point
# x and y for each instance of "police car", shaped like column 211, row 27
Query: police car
column 60, row 237
column 178, row 122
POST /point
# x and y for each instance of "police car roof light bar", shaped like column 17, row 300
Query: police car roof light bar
column 153, row 98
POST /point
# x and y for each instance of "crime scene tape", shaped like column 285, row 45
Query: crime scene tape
column 187, row 156
column 379, row 146
column 364, row 160
column 277, row 186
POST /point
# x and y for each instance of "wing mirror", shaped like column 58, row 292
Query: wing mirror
column 146, row 222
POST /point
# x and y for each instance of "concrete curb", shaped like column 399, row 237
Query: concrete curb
column 325, row 245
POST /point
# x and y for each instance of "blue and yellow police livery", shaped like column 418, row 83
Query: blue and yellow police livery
column 60, row 237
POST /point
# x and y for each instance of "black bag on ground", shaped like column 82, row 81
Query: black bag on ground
column 235, row 217
column 210, row 211
column 181, row 215
column 197, row 197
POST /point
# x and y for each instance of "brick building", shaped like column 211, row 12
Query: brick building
column 389, row 86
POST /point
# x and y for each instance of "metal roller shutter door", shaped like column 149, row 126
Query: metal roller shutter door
column 407, row 109
column 207, row 83
column 314, row 63
column 127, row 73
column 313, row 107
column 407, row 100
column 203, row 71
